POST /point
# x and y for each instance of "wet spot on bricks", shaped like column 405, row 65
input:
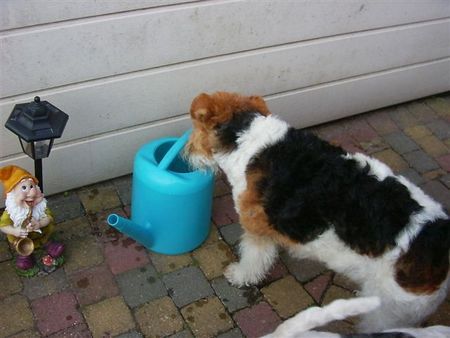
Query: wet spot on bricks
column 83, row 283
column 69, row 318
column 93, row 193
column 127, row 242
column 251, row 295
column 151, row 280
column 222, row 316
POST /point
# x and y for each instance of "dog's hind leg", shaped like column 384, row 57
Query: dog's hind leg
column 257, row 255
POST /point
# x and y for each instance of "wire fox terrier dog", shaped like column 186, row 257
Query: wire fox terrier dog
column 294, row 190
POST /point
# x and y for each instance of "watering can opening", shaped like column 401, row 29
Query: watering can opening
column 178, row 165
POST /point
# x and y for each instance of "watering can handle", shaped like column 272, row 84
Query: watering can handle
column 174, row 150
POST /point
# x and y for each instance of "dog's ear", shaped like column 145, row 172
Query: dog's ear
column 200, row 108
column 258, row 104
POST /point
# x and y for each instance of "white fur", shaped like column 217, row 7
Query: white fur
column 263, row 131
column 257, row 257
column 300, row 325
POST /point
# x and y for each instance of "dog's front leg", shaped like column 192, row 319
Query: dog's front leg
column 257, row 255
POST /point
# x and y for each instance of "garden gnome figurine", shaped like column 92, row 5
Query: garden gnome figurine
column 28, row 223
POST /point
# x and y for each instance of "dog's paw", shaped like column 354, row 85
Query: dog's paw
column 239, row 277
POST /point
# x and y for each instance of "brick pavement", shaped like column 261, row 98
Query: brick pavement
column 112, row 287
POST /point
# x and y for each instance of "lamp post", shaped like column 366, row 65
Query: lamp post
column 37, row 124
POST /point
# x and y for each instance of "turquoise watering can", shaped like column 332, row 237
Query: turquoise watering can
column 170, row 203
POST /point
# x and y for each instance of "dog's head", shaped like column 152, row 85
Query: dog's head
column 216, row 118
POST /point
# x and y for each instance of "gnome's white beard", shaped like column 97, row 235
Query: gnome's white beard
column 19, row 214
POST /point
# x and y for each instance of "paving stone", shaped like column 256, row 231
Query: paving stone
column 444, row 162
column 335, row 292
column 118, row 320
column 123, row 186
column 445, row 180
column 213, row 259
column 65, row 206
column 392, row 159
column 277, row 271
column 346, row 283
column 382, row 122
column 17, row 315
column 213, row 236
column 73, row 228
column 433, row 146
column 132, row 334
column 10, row 282
column 182, row 334
column 141, row 285
column 441, row 316
column 346, row 142
column 421, row 161
column 100, row 227
column 375, row 145
column 232, row 233
column 207, row 317
column 99, row 197
column 328, row 131
column 287, row 296
column 412, row 176
column 439, row 105
column 223, row 212
column 439, row 192
column 56, row 312
column 317, row 287
column 124, row 255
column 159, row 318
column 403, row 117
column 257, row 320
column 81, row 254
column 360, row 130
column 77, row 331
column 303, row 270
column 26, row 334
column 221, row 188
column 94, row 284
column 42, row 286
column 166, row 263
column 421, row 111
column 440, row 128
column 187, row 285
column 235, row 298
column 233, row 333
column 417, row 132
column 434, row 174
column 5, row 252
column 400, row 142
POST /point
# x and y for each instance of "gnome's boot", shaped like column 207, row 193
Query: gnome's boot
column 24, row 262
column 54, row 249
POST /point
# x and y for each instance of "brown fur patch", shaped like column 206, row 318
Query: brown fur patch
column 253, row 218
column 425, row 266
column 208, row 111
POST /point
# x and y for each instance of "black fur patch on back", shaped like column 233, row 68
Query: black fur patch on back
column 309, row 187
column 228, row 132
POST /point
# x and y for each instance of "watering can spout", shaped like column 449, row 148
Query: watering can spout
column 140, row 233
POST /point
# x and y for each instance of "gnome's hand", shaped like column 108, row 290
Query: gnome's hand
column 35, row 225
column 16, row 232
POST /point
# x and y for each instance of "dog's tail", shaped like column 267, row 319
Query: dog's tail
column 319, row 316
